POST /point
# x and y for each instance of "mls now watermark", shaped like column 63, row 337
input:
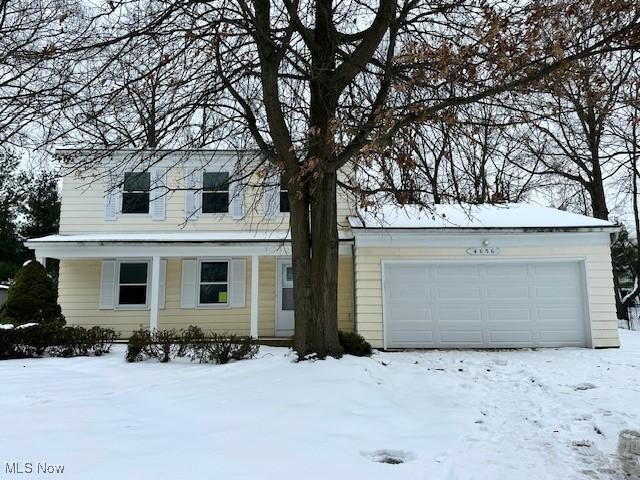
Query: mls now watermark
column 38, row 468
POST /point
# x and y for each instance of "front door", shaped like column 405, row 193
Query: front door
column 284, row 293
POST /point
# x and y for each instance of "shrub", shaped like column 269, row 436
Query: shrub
column 103, row 339
column 192, row 343
column 191, row 340
column 140, row 345
column 54, row 339
column 354, row 344
column 31, row 298
column 166, row 342
column 223, row 348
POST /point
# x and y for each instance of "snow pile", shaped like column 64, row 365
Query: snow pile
column 458, row 415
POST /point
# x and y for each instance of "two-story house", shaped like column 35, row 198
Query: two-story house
column 170, row 239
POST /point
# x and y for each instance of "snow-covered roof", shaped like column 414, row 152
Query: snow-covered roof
column 503, row 216
column 171, row 237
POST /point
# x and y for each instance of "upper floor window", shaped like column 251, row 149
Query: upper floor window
column 215, row 192
column 214, row 283
column 284, row 195
column 135, row 195
column 132, row 283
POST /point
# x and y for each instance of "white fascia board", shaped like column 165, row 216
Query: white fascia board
column 178, row 250
column 391, row 238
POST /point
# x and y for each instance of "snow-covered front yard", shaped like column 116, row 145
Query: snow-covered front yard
column 549, row 414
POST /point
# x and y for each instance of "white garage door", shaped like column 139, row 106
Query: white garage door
column 490, row 305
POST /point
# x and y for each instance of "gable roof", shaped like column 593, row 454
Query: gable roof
column 450, row 217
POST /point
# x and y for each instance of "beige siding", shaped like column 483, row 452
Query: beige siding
column 82, row 211
column 79, row 298
column 368, row 261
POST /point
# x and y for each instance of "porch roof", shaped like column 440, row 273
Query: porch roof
column 167, row 244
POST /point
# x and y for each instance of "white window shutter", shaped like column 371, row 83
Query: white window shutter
column 158, row 193
column 192, row 194
column 108, row 284
column 271, row 197
column 189, row 284
column 238, row 268
column 237, row 202
column 163, row 283
column 111, row 196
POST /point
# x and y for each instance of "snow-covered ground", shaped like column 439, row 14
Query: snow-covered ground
column 549, row 414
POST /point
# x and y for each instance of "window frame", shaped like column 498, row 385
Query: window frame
column 227, row 191
column 129, row 306
column 124, row 192
column 199, row 282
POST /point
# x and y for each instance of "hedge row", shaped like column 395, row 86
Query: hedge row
column 192, row 343
column 54, row 339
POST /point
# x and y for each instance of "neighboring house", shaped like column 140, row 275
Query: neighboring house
column 4, row 289
column 490, row 276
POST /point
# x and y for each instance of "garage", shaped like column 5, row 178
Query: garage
column 484, row 304
column 483, row 276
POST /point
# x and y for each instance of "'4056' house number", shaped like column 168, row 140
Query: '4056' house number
column 483, row 251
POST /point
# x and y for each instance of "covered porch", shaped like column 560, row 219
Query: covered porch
column 251, row 293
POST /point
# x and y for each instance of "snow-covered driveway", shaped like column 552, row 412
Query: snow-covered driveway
column 549, row 414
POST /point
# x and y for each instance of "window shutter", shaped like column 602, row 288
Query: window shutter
column 238, row 267
column 237, row 202
column 271, row 197
column 188, row 291
column 107, row 284
column 163, row 283
column 111, row 196
column 192, row 195
column 158, row 193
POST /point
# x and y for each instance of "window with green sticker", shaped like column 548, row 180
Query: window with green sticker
column 214, row 283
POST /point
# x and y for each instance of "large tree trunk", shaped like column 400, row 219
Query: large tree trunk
column 315, row 270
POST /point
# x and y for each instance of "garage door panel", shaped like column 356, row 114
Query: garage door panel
column 566, row 315
column 555, row 270
column 457, row 292
column 408, row 314
column 505, row 271
column 459, row 314
column 457, row 337
column 520, row 315
column 412, row 337
column 567, row 293
column 550, row 338
column 505, row 292
column 457, row 271
column 512, row 337
column 484, row 304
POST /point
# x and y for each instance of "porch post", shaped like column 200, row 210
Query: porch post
column 155, row 293
column 255, row 277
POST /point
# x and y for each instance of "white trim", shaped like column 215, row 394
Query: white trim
column 116, row 284
column 198, row 282
column 155, row 293
column 255, row 282
column 584, row 265
column 465, row 240
column 236, row 249
column 581, row 260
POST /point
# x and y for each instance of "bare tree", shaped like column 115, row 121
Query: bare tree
column 571, row 140
column 626, row 129
column 322, row 86
column 32, row 34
